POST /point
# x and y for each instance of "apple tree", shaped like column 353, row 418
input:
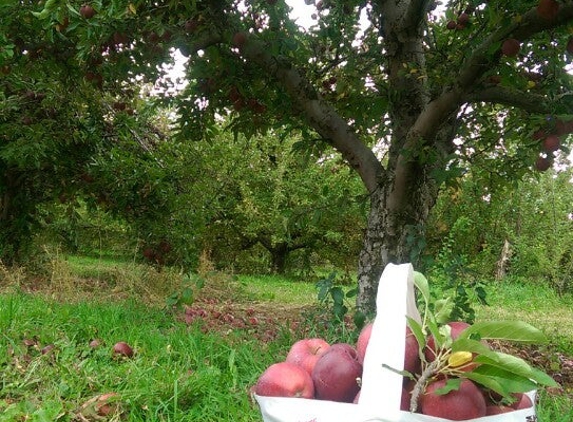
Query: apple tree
column 270, row 209
column 401, row 90
column 55, row 119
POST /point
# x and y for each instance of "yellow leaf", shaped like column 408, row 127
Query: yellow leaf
column 460, row 358
column 132, row 8
column 531, row 84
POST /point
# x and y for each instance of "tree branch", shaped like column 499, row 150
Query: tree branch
column 415, row 14
column 322, row 117
column 479, row 63
column 206, row 39
column 533, row 103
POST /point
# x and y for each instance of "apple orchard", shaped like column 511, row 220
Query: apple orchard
column 408, row 97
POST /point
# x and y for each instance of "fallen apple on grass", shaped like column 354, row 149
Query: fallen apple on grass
column 285, row 379
column 122, row 349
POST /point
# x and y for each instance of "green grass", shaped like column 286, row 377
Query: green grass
column 97, row 267
column 535, row 303
column 278, row 289
column 554, row 409
column 178, row 373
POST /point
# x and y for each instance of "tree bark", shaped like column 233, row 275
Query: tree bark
column 398, row 214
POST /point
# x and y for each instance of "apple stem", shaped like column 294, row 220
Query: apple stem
column 429, row 371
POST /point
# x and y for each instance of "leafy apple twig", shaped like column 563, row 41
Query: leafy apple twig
column 468, row 357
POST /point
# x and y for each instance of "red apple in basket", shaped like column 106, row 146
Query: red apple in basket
column 523, row 401
column 363, row 340
column 412, row 361
column 336, row 374
column 405, row 400
column 285, row 379
column 497, row 409
column 456, row 328
column 467, row 402
column 306, row 352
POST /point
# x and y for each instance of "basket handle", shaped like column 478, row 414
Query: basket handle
column 381, row 386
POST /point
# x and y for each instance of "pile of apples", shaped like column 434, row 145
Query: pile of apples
column 314, row 369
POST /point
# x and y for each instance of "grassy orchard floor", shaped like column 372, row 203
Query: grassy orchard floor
column 195, row 365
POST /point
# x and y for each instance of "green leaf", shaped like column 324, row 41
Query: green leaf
column 452, row 384
column 505, row 330
column 359, row 319
column 491, row 383
column 513, row 365
column 508, row 381
column 503, row 361
column 434, row 329
column 469, row 345
column 442, row 310
column 417, row 330
column 421, row 283
column 337, row 294
column 322, row 292
column 187, row 296
column 352, row 292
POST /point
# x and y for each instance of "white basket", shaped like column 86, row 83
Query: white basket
column 381, row 387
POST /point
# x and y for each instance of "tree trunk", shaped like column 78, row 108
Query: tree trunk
column 399, row 209
column 503, row 262
column 10, row 235
column 279, row 255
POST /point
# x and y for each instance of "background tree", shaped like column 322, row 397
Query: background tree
column 474, row 217
column 270, row 206
column 483, row 76
column 58, row 126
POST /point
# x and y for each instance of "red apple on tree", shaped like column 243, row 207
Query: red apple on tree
column 87, row 11
column 548, row 9
column 306, row 352
column 239, row 39
column 336, row 374
column 542, row 163
column 285, row 379
column 510, row 47
column 551, row 143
